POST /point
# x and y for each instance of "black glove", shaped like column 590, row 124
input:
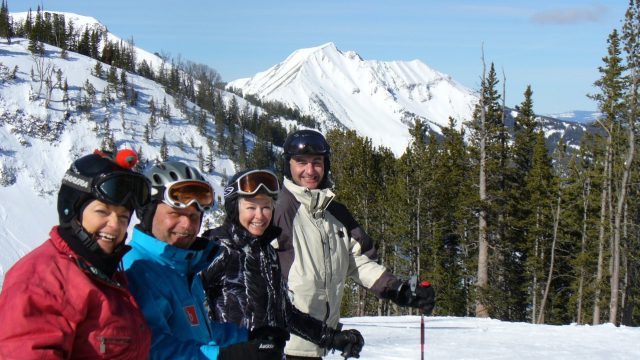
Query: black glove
column 424, row 297
column 266, row 343
column 349, row 342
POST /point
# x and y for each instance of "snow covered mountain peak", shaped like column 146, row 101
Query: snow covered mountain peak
column 379, row 99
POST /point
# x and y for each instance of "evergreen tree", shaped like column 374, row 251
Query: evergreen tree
column 486, row 138
column 112, row 78
column 35, row 35
column 540, row 203
column 59, row 32
column 519, row 207
column 146, row 134
column 97, row 70
column 84, row 47
column 260, row 156
column 452, row 273
column 582, row 201
column 164, row 149
column 220, row 126
column 5, row 22
column 200, row 158
column 629, row 245
column 610, row 102
column 211, row 156
column 65, row 92
column 123, row 82
column 201, row 122
column 242, row 155
column 145, row 70
column 94, row 43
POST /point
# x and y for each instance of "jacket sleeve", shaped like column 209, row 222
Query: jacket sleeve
column 212, row 278
column 36, row 323
column 157, row 309
column 306, row 326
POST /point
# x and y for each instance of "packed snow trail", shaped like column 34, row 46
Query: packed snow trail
column 449, row 338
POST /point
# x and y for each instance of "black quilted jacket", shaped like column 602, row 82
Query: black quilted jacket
column 244, row 285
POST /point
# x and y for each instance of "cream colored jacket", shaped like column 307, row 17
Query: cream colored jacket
column 321, row 245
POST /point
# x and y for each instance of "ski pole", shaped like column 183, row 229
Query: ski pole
column 413, row 283
column 421, row 336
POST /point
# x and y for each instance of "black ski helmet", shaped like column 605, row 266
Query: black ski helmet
column 307, row 142
column 101, row 176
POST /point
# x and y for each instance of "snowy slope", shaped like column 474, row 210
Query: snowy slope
column 82, row 22
column 378, row 99
column 37, row 162
column 450, row 338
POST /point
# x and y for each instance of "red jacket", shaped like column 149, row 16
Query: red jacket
column 51, row 308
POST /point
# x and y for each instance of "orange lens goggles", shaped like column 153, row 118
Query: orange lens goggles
column 250, row 183
column 182, row 194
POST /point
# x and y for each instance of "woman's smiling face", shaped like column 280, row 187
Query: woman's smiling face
column 106, row 223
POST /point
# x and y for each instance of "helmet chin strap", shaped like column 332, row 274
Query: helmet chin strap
column 84, row 237
column 87, row 239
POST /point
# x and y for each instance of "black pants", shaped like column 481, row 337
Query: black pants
column 291, row 357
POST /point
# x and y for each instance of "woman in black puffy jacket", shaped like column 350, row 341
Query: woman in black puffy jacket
column 244, row 284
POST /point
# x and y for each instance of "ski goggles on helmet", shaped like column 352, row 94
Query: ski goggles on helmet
column 254, row 181
column 124, row 188
column 184, row 193
column 307, row 145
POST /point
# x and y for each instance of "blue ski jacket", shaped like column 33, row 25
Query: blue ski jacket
column 162, row 280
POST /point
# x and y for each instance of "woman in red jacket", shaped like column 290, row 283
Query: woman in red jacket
column 68, row 299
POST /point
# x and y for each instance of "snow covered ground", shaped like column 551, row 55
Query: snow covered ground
column 448, row 338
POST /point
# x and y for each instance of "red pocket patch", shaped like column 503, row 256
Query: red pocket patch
column 191, row 315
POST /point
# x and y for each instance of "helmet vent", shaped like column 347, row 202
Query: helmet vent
column 173, row 175
column 189, row 175
column 157, row 179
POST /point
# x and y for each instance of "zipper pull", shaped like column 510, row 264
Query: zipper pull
column 103, row 344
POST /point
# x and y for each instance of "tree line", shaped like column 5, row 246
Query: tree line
column 500, row 225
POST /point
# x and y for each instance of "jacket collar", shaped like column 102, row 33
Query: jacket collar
column 237, row 237
column 314, row 201
column 185, row 261
column 107, row 271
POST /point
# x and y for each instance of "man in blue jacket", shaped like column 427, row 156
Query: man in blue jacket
column 162, row 271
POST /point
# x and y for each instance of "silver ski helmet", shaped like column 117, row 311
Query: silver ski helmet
column 177, row 185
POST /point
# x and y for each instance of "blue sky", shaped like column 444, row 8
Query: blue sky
column 555, row 46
